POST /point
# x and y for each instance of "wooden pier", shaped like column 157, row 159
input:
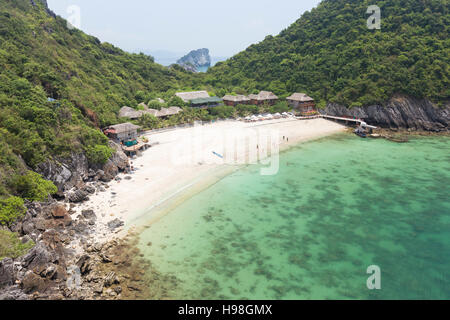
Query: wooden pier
column 349, row 120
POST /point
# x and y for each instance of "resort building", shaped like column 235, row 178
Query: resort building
column 264, row 97
column 133, row 114
column 199, row 99
column 166, row 112
column 122, row 133
column 130, row 113
column 206, row 102
column 189, row 96
column 301, row 102
column 235, row 100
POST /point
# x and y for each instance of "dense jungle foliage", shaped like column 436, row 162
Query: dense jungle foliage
column 331, row 55
column 59, row 85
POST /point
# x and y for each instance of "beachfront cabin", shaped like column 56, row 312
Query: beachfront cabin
column 130, row 113
column 233, row 101
column 264, row 97
column 133, row 114
column 124, row 133
column 206, row 102
column 165, row 113
column 189, row 96
column 301, row 103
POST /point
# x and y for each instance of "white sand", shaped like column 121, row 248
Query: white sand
column 184, row 156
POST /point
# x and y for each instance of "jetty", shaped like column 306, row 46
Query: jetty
column 359, row 122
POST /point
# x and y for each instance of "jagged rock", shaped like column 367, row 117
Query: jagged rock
column 98, row 246
column 13, row 293
column 89, row 189
column 119, row 158
column 78, row 196
column 81, row 228
column 105, row 258
column 111, row 279
column 58, row 211
column 114, row 224
column 400, row 112
column 7, row 277
column 48, row 271
column 89, row 215
column 98, row 288
column 110, row 171
column 40, row 224
column 38, row 256
column 26, row 239
column 84, row 264
column 33, row 283
column 28, row 227
column 65, row 173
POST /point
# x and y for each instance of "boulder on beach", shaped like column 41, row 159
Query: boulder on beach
column 114, row 224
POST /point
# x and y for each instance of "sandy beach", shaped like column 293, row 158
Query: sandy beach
column 183, row 157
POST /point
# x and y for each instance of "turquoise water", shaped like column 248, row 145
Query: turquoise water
column 337, row 206
column 202, row 69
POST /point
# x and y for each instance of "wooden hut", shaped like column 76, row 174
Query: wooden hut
column 235, row 100
column 301, row 102
column 189, row 96
column 123, row 132
column 264, row 97
column 130, row 113
column 167, row 112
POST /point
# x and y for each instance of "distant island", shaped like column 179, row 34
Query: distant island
column 168, row 58
column 196, row 60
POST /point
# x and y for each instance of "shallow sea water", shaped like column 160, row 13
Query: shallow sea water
column 337, row 206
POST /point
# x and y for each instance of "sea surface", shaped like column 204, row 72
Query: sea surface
column 337, row 206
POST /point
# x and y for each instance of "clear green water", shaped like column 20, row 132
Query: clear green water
column 337, row 206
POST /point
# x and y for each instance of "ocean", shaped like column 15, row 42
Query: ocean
column 337, row 206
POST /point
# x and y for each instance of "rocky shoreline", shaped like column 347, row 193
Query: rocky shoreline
column 69, row 260
column 66, row 262
column 399, row 113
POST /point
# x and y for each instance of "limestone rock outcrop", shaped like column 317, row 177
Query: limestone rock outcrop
column 400, row 112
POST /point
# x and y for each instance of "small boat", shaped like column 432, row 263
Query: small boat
column 361, row 133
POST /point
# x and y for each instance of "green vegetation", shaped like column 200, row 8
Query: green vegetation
column 98, row 154
column 11, row 246
column 222, row 112
column 11, row 209
column 32, row 186
column 90, row 81
column 330, row 54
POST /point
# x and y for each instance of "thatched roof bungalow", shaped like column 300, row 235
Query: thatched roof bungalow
column 264, row 97
column 130, row 113
column 230, row 100
column 301, row 102
column 188, row 96
column 167, row 112
column 133, row 114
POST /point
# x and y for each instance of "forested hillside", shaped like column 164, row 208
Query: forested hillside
column 331, row 54
column 41, row 58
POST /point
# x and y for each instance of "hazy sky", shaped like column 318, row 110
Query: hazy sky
column 225, row 27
